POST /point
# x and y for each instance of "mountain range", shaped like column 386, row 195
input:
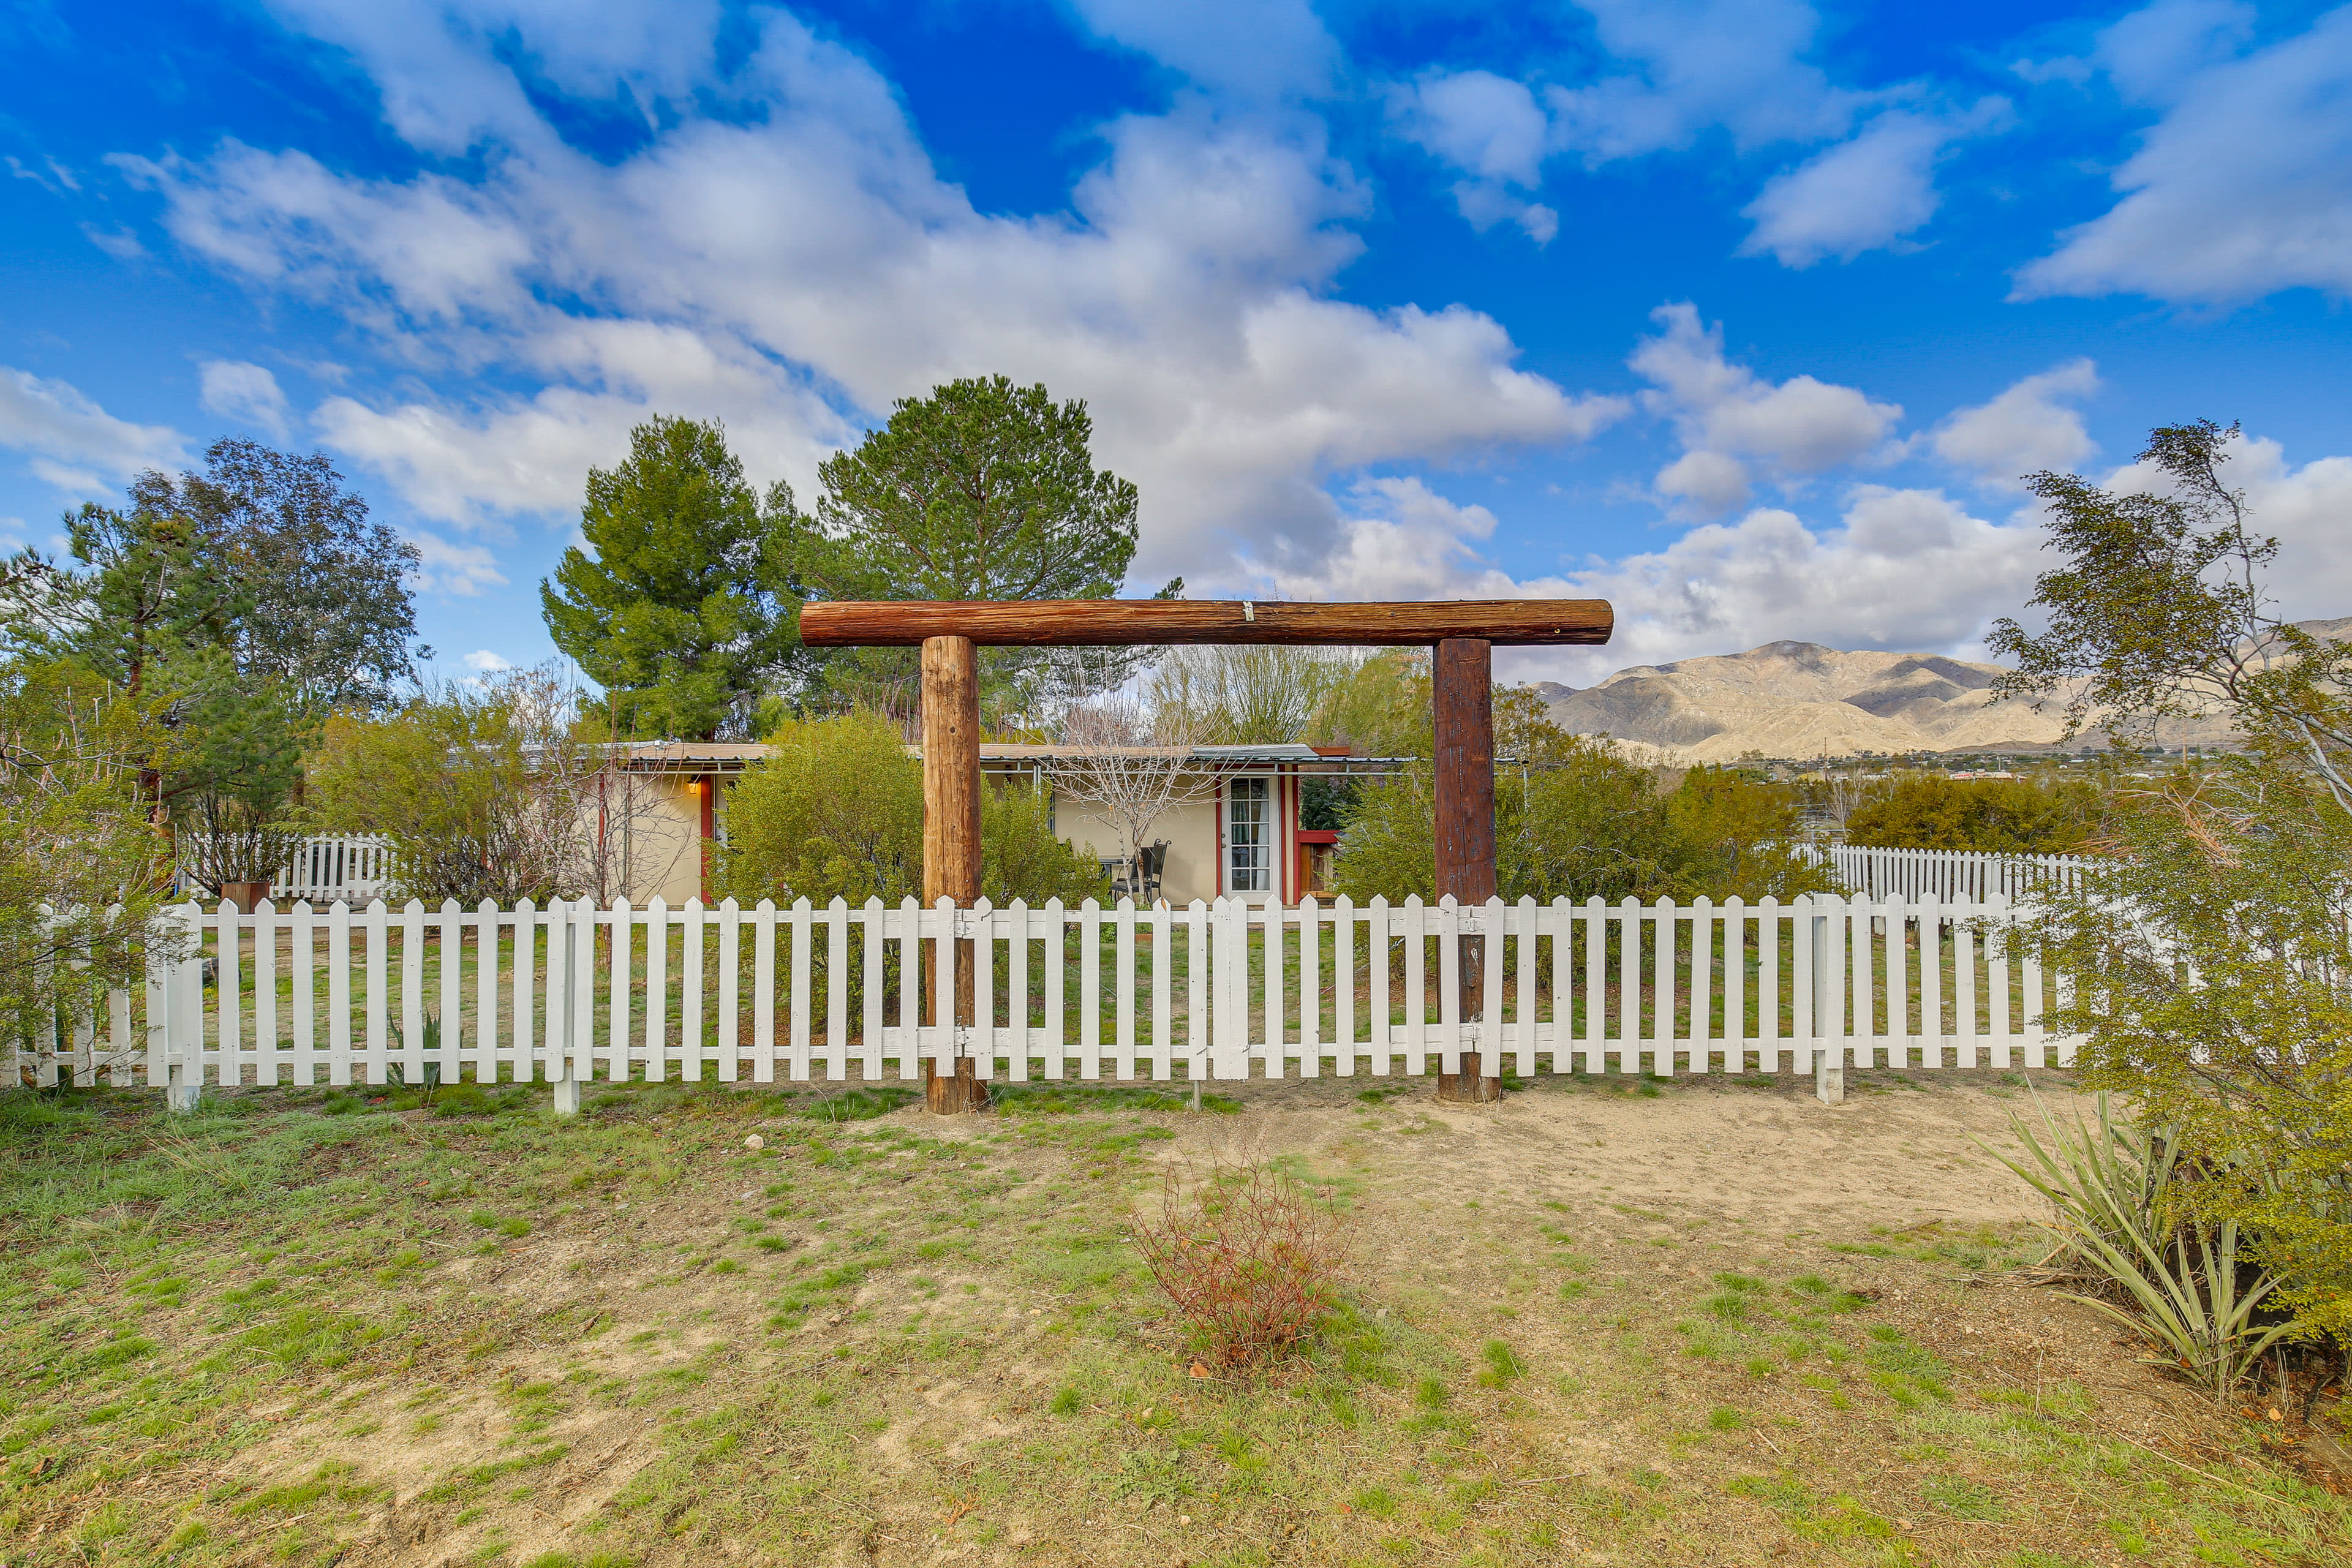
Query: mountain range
column 1798, row 700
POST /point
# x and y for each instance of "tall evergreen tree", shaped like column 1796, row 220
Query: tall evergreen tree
column 683, row 606
column 980, row 490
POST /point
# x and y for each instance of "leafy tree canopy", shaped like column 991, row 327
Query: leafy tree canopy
column 683, row 607
column 1579, row 821
column 2017, row 817
column 2160, row 612
column 263, row 558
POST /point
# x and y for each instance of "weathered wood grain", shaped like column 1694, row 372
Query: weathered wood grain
column 1090, row 623
column 1463, row 682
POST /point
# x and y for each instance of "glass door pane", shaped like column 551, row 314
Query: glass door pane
column 1248, row 819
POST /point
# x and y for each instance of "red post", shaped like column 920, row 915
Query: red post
column 1464, row 676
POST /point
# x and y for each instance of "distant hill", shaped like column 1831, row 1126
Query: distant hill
column 1800, row 699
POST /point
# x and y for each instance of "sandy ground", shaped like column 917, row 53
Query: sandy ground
column 1897, row 1153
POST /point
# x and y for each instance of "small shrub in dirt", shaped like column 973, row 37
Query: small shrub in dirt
column 1249, row 1257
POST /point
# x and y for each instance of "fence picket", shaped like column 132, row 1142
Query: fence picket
column 1343, row 984
column 1529, row 951
column 1020, row 927
column 836, row 989
column 1057, row 959
column 799, row 1046
column 522, row 968
column 1490, row 989
column 730, row 1029
column 1125, row 1042
column 692, row 1049
column 984, row 990
column 871, row 975
column 2004, row 1032
column 1196, row 971
column 1163, row 965
column 1310, row 989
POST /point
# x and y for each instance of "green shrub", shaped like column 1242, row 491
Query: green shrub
column 836, row 811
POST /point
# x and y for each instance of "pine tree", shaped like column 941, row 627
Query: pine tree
column 683, row 607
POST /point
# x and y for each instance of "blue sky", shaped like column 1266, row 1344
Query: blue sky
column 1743, row 313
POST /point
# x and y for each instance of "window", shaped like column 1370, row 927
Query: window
column 1249, row 822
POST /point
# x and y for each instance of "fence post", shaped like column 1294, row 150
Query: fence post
column 1829, row 1009
column 183, row 1018
column 563, row 962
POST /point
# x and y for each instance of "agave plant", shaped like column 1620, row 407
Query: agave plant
column 2111, row 1188
column 430, row 1090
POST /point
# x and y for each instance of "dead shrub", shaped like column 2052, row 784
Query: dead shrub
column 1250, row 1258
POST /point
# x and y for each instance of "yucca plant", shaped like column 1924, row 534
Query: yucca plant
column 2112, row 1187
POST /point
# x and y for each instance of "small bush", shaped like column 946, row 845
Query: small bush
column 1248, row 1258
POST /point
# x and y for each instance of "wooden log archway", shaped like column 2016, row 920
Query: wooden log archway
column 1461, row 635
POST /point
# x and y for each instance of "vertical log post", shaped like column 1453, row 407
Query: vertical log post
column 952, row 837
column 1464, row 699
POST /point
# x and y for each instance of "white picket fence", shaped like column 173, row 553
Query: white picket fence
column 575, row 992
column 1871, row 872
column 353, row 868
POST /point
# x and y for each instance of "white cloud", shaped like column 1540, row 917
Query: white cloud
column 2028, row 427
column 1490, row 128
column 1707, row 483
column 2243, row 186
column 1906, row 569
column 1403, row 541
column 1675, row 71
column 1732, row 422
column 74, row 443
column 238, row 389
column 2153, row 52
column 1697, row 65
column 119, row 243
column 1251, row 48
column 1902, row 569
column 482, row 661
column 443, row 89
column 778, row 268
column 460, row 571
column 1862, row 194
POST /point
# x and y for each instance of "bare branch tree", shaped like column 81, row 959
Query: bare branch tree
column 1131, row 765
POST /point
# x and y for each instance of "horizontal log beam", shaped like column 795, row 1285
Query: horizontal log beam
column 1100, row 623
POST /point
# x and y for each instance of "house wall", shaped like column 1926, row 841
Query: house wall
column 1191, row 830
column 661, row 836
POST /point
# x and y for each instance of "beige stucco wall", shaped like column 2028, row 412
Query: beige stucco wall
column 661, row 838
column 1191, row 830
